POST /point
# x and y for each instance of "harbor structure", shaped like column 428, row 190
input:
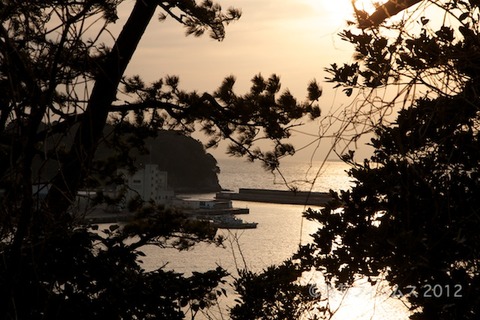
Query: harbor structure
column 277, row 196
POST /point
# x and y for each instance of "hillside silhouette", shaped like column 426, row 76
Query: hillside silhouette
column 190, row 168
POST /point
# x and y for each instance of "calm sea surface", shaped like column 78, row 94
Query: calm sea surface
column 280, row 230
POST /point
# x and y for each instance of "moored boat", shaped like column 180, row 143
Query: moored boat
column 232, row 222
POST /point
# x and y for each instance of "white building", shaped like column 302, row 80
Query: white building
column 150, row 184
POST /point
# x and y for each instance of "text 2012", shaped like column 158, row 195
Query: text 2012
column 430, row 291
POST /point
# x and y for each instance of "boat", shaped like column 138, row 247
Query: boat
column 232, row 222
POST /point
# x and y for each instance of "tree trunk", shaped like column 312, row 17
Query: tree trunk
column 386, row 11
column 78, row 162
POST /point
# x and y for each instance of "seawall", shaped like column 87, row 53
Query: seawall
column 277, row 196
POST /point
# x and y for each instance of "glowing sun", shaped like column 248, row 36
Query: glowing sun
column 340, row 9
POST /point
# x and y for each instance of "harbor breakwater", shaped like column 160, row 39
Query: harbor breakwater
column 277, row 196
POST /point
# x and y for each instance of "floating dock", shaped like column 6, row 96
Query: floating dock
column 277, row 196
column 101, row 216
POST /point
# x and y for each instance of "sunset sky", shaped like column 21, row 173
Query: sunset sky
column 296, row 39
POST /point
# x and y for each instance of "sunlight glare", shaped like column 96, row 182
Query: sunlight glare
column 340, row 9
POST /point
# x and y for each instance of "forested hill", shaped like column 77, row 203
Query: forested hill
column 190, row 168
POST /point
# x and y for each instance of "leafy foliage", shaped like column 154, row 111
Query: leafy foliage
column 86, row 273
column 241, row 119
column 412, row 213
column 198, row 18
column 272, row 294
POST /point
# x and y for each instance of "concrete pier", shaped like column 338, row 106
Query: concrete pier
column 277, row 196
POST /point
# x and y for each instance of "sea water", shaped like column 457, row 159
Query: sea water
column 281, row 229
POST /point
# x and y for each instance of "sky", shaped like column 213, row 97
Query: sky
column 295, row 39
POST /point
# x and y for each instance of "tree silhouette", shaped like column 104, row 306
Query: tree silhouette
column 410, row 220
column 60, row 85
column 410, row 217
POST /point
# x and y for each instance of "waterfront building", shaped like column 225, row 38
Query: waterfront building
column 150, row 184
